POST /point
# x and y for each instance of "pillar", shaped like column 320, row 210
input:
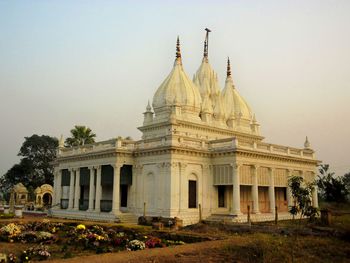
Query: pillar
column 77, row 189
column 183, row 181
column 289, row 192
column 54, row 198
column 116, row 189
column 314, row 197
column 59, row 187
column 255, row 190
column 71, row 189
column 91, row 189
column 98, row 194
column 272, row 191
column 236, row 197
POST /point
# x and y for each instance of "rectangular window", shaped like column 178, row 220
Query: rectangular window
column 192, row 194
column 221, row 195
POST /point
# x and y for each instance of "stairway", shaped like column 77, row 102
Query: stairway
column 128, row 218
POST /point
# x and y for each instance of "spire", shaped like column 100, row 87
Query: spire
column 178, row 52
column 206, row 43
column 254, row 119
column 148, row 107
column 228, row 72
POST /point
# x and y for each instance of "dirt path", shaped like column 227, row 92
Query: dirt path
column 198, row 252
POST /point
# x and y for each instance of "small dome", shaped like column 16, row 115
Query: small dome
column 20, row 188
column 177, row 89
column 235, row 105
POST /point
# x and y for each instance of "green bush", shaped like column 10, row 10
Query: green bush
column 6, row 216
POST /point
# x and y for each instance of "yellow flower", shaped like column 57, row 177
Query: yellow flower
column 81, row 227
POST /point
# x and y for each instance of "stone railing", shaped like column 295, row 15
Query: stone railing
column 186, row 142
column 222, row 144
column 112, row 144
column 277, row 149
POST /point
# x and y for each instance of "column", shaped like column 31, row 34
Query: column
column 71, row 189
column 55, row 173
column 77, row 189
column 272, row 191
column 116, row 189
column 91, row 189
column 236, row 197
column 98, row 189
column 288, row 190
column 59, row 187
column 255, row 190
column 183, row 198
column 314, row 197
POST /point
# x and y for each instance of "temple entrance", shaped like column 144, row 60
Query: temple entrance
column 264, row 200
column 221, row 196
column 281, row 199
column 125, row 183
column 246, row 200
column 124, row 195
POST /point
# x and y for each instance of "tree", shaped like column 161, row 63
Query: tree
column 346, row 181
column 302, row 195
column 81, row 135
column 35, row 167
column 332, row 189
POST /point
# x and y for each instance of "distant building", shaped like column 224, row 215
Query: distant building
column 201, row 148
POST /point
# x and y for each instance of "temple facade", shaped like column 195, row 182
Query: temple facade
column 201, row 155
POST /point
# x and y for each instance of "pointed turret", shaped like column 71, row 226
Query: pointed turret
column 61, row 142
column 237, row 108
column 148, row 115
column 307, row 144
column 254, row 125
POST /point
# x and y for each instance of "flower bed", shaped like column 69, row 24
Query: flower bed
column 45, row 239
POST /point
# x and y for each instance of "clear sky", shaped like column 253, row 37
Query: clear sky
column 96, row 63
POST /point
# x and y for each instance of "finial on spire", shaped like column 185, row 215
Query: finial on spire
column 307, row 143
column 178, row 51
column 206, row 43
column 228, row 67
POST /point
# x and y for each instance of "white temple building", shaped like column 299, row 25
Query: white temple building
column 201, row 152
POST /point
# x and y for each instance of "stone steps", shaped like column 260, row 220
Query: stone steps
column 128, row 218
column 243, row 218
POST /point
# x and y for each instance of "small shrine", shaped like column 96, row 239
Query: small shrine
column 20, row 194
column 43, row 196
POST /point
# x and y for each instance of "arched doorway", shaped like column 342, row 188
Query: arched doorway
column 47, row 199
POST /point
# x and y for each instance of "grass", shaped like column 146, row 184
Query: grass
column 259, row 247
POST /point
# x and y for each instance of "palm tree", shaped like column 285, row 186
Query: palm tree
column 81, row 135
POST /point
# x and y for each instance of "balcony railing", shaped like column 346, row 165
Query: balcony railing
column 106, row 205
column 64, row 203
